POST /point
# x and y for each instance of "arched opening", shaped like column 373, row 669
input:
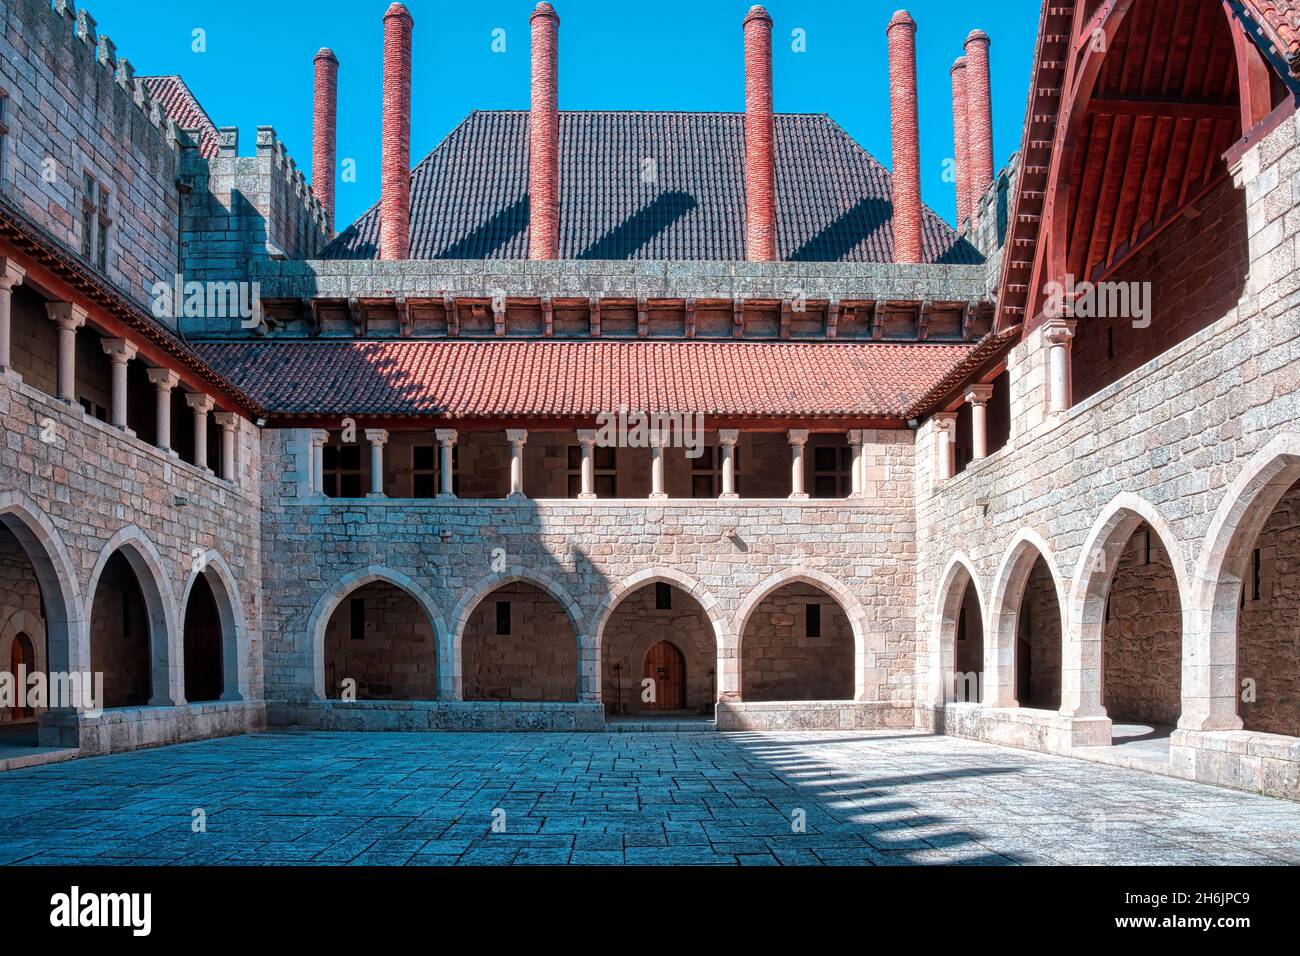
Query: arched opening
column 22, row 663
column 204, row 659
column 1038, row 641
column 120, row 636
column 960, row 663
column 519, row 644
column 22, row 615
column 797, row 644
column 659, row 633
column 1268, row 625
column 379, row 644
column 1142, row 641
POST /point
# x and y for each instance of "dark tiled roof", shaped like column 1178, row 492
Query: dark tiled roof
column 644, row 185
column 175, row 100
column 582, row 379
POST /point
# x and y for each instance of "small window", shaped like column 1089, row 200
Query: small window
column 357, row 609
column 604, row 471
column 961, row 625
column 663, row 596
column 812, row 620
column 706, row 473
column 342, row 471
column 94, row 409
column 503, row 617
column 1255, row 562
column 101, row 237
column 424, row 471
column 831, row 470
column 4, row 138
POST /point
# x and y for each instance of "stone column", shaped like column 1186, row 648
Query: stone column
column 228, row 421
column 587, row 443
column 164, row 380
column 1058, row 333
column 319, row 437
column 517, row 437
column 727, row 438
column 68, row 317
column 978, row 396
column 378, row 438
column 945, row 428
column 798, row 437
column 856, row 463
column 11, row 274
column 119, row 352
column 657, row 467
column 201, row 404
column 447, row 438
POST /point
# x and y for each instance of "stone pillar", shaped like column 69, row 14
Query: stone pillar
column 319, row 437
column 945, row 428
column 587, row 443
column 978, row 397
column 227, row 421
column 201, row 404
column 446, row 461
column 68, row 317
column 727, row 438
column 798, row 437
column 164, row 380
column 517, row 437
column 119, row 352
column 857, row 463
column 378, row 438
column 1058, row 333
column 657, row 468
column 11, row 274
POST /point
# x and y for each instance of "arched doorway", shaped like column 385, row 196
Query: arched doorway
column 519, row 644
column 958, row 664
column 120, row 635
column 1038, row 642
column 664, row 677
column 379, row 644
column 204, row 678
column 22, row 663
column 797, row 644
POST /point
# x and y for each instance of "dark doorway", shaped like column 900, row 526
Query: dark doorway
column 22, row 655
column 203, row 663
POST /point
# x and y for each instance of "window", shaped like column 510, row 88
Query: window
column 94, row 409
column 4, row 137
column 605, row 471
column 503, row 617
column 342, row 467
column 424, row 471
column 88, row 219
column 706, row 473
column 357, row 612
column 1255, row 562
column 663, row 596
column 95, row 220
column 812, row 620
column 831, row 470
column 101, row 237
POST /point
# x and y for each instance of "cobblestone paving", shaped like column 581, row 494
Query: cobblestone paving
column 696, row 798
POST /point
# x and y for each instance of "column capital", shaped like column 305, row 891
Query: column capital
column 854, row 436
column 979, row 394
column 119, row 350
column 227, row 420
column 586, row 436
column 199, row 401
column 319, row 436
column 377, row 436
column 728, row 436
column 11, row 274
column 517, row 436
column 797, row 436
column 944, row 421
column 446, row 436
column 1058, row 331
column 67, row 315
column 164, row 378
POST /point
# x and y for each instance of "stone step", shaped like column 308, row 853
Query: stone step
column 660, row 725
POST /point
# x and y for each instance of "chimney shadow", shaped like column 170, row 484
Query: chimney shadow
column 627, row 238
column 834, row 242
column 485, row 239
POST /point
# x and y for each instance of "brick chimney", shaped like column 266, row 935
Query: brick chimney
column 760, row 148
column 961, row 160
column 905, row 134
column 395, row 164
column 979, row 119
column 324, row 119
column 544, row 137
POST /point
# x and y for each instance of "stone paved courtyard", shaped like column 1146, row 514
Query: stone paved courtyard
column 653, row 798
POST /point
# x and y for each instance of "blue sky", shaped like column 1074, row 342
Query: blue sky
column 666, row 54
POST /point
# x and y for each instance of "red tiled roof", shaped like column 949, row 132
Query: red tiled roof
column 176, row 100
column 488, row 379
column 1281, row 19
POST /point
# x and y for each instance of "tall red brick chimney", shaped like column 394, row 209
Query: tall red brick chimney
column 760, row 139
column 905, row 134
column 961, row 159
column 544, row 137
column 324, row 119
column 979, row 119
column 395, row 164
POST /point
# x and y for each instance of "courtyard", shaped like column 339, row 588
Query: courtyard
column 690, row 798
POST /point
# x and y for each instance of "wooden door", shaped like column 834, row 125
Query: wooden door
column 665, row 664
column 21, row 654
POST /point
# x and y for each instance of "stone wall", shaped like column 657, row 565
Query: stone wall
column 394, row 657
column 1038, row 642
column 536, row 661
column 635, row 626
column 780, row 660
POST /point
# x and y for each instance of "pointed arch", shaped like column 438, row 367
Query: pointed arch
column 235, row 649
column 1025, row 550
column 959, row 574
